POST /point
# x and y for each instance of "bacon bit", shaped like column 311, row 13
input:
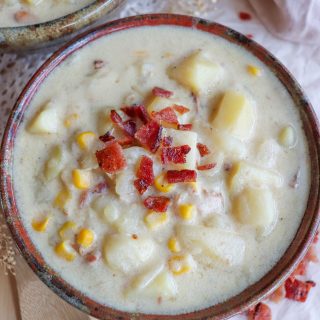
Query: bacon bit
column 166, row 141
column 245, row 16
column 249, row 35
column 278, row 294
column 98, row 64
column 298, row 290
column 92, row 257
column 165, row 115
column 203, row 149
column 157, row 203
column 145, row 175
column 129, row 126
column 149, row 135
column 106, row 137
column 163, row 93
column 176, row 176
column 180, row 109
column 206, row 166
column 175, row 154
column 111, row 159
column 126, row 141
column 134, row 237
column 86, row 196
column 137, row 111
column 260, row 312
column 185, row 127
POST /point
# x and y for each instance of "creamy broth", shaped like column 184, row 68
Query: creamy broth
column 122, row 69
column 14, row 13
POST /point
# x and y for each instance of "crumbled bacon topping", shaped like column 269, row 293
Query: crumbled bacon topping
column 86, row 196
column 145, row 175
column 180, row 109
column 159, row 92
column 298, row 290
column 111, row 159
column 260, row 312
column 136, row 111
column 106, row 137
column 149, row 135
column 157, row 203
column 175, row 154
column 166, row 141
column 207, row 166
column 176, row 176
column 203, row 149
column 129, row 126
column 185, row 127
column 165, row 115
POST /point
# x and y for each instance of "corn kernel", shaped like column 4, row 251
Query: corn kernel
column 81, row 178
column 67, row 226
column 62, row 198
column 40, row 225
column 174, row 245
column 155, row 219
column 287, row 137
column 186, row 211
column 70, row 120
column 161, row 184
column 181, row 264
column 85, row 139
column 253, row 70
column 85, row 238
column 63, row 250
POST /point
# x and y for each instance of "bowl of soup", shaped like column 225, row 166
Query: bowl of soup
column 162, row 167
column 33, row 24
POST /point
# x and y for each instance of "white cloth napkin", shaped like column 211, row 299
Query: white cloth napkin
column 297, row 21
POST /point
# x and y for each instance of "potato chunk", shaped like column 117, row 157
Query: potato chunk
column 122, row 253
column 181, row 138
column 218, row 245
column 197, row 73
column 158, row 103
column 54, row 164
column 244, row 174
column 236, row 115
column 46, row 121
column 256, row 207
column 163, row 285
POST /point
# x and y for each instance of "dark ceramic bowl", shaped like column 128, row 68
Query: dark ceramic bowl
column 52, row 32
column 249, row 296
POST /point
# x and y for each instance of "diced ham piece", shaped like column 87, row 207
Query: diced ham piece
column 207, row 166
column 159, row 92
column 165, row 115
column 260, row 312
column 176, row 176
column 145, row 175
column 203, row 149
column 129, row 126
column 167, row 141
column 185, row 127
column 111, row 159
column 298, row 290
column 149, row 135
column 175, row 154
column 137, row 111
column 158, row 204
column 180, row 109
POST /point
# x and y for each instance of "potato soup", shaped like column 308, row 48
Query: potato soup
column 161, row 170
column 14, row 13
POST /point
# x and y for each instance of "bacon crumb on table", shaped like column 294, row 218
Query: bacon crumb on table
column 298, row 290
column 260, row 312
column 157, row 203
column 245, row 16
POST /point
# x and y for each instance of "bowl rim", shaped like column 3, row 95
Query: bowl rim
column 249, row 296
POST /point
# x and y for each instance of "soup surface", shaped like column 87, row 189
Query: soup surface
column 161, row 169
column 14, row 13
